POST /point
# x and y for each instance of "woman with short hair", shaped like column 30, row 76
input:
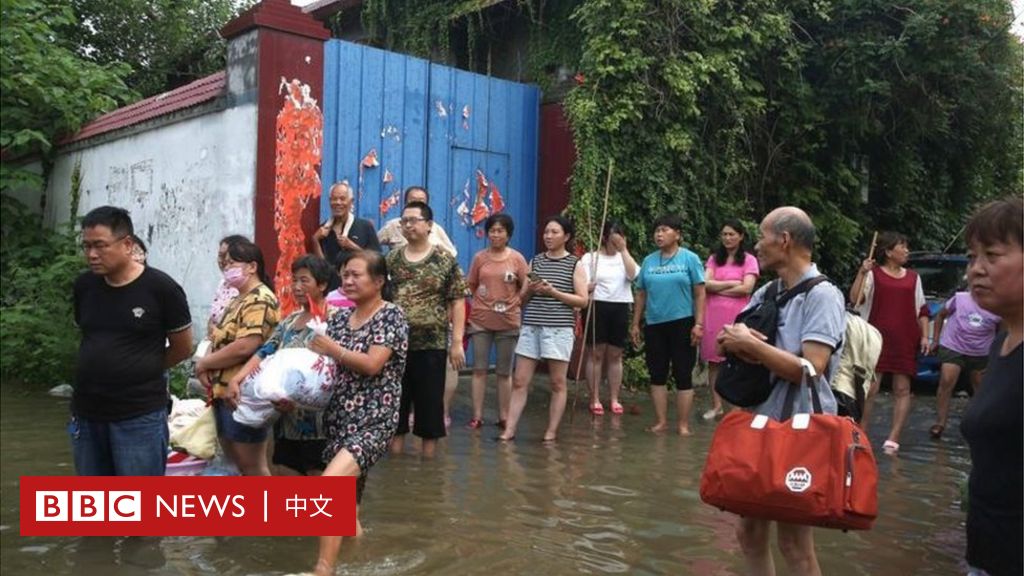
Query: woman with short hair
column 894, row 303
column 994, row 419
column 496, row 279
column 369, row 342
column 670, row 301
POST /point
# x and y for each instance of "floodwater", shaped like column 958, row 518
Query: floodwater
column 607, row 499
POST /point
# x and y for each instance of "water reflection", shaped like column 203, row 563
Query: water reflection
column 607, row 499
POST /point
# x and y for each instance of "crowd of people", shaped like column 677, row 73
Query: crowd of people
column 397, row 328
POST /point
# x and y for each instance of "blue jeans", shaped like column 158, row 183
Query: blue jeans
column 133, row 447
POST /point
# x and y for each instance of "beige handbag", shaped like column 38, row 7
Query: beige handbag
column 198, row 438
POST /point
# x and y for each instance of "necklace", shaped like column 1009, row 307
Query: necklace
column 356, row 323
column 663, row 261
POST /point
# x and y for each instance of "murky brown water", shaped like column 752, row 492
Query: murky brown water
column 608, row 499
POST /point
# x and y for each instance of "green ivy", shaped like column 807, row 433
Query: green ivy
column 716, row 109
column 719, row 109
column 38, row 267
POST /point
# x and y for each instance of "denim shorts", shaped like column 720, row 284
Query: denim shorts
column 132, row 447
column 228, row 428
column 546, row 342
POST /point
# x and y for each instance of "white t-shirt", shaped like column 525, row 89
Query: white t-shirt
column 612, row 283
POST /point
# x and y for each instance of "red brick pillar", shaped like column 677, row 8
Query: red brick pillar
column 278, row 51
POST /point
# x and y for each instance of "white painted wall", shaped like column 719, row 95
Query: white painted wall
column 186, row 184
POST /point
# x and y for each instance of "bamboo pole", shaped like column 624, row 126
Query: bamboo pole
column 860, row 288
column 593, row 275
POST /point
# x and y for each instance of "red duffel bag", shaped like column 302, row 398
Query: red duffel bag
column 812, row 469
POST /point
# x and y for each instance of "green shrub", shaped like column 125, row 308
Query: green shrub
column 634, row 372
column 38, row 267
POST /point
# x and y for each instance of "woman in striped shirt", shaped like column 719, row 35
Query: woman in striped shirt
column 557, row 288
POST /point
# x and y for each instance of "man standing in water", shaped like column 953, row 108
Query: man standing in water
column 127, row 313
column 430, row 288
column 391, row 235
column 811, row 327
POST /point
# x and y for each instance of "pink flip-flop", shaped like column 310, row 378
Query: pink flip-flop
column 617, row 408
column 597, row 409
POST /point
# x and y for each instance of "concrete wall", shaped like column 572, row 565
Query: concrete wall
column 186, row 183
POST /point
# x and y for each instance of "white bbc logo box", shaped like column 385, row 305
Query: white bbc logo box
column 89, row 506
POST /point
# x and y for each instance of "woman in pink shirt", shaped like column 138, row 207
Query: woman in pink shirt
column 729, row 278
column 497, row 277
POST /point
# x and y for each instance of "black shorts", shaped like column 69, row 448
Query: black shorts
column 303, row 456
column 610, row 323
column 668, row 344
column 423, row 394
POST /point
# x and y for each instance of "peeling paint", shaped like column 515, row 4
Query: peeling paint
column 297, row 179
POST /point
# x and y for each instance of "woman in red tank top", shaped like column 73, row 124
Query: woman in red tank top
column 894, row 303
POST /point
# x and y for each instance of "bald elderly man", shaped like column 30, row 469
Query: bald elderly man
column 811, row 327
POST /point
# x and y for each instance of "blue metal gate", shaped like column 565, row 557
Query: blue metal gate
column 392, row 121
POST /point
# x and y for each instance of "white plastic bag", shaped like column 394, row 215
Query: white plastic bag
column 297, row 375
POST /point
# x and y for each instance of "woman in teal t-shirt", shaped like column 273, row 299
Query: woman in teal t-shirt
column 670, row 300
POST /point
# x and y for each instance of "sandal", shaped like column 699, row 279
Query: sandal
column 936, row 431
column 890, row 447
column 475, row 424
column 712, row 414
column 597, row 409
column 617, row 408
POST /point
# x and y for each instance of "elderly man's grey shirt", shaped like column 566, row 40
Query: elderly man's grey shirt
column 818, row 315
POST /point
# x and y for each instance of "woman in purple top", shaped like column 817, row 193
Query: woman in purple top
column 730, row 275
column 967, row 332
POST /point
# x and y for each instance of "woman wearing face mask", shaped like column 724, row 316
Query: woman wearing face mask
column 298, row 435
column 247, row 323
column 225, row 292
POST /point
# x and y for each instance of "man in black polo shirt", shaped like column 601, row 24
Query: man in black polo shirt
column 135, row 325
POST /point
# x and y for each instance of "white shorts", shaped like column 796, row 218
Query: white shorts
column 545, row 342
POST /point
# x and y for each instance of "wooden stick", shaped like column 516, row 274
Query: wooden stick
column 871, row 254
column 590, row 308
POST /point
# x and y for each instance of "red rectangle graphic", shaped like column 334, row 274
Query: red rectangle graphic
column 187, row 506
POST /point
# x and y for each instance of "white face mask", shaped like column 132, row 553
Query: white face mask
column 234, row 276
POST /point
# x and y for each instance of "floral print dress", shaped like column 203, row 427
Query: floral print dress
column 362, row 414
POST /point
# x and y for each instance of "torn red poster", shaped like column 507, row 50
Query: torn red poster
column 388, row 176
column 370, row 160
column 388, row 203
column 497, row 202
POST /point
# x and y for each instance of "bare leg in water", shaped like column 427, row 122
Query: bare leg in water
column 343, row 464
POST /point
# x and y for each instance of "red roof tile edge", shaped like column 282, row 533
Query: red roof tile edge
column 187, row 96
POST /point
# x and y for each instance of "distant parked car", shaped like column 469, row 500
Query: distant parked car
column 941, row 275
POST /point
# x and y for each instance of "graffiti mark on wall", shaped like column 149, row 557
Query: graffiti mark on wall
column 297, row 178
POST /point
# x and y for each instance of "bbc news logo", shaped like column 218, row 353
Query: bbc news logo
column 190, row 506
column 88, row 506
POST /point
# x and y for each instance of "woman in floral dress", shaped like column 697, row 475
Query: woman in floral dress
column 369, row 343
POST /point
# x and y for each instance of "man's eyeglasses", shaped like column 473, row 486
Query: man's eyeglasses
column 99, row 246
column 410, row 220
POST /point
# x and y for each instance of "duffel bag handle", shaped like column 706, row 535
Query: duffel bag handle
column 801, row 419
